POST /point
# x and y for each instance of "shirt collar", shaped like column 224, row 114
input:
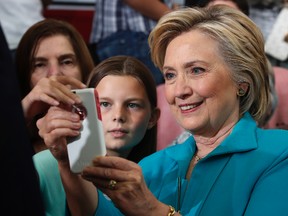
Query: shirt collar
column 241, row 139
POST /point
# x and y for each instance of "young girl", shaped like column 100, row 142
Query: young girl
column 127, row 95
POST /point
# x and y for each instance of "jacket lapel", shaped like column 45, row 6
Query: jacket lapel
column 206, row 172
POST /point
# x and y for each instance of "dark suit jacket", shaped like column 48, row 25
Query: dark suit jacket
column 19, row 184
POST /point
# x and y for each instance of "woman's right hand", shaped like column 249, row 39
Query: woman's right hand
column 59, row 123
column 129, row 191
column 50, row 92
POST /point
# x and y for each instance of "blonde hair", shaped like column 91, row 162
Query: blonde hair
column 241, row 45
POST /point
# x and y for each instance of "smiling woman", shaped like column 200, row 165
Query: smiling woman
column 217, row 84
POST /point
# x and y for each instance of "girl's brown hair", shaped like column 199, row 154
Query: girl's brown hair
column 130, row 66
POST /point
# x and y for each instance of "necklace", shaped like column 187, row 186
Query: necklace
column 198, row 158
column 193, row 163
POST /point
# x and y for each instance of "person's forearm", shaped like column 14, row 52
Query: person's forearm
column 154, row 9
column 26, row 107
column 82, row 196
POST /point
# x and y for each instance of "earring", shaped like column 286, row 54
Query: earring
column 241, row 92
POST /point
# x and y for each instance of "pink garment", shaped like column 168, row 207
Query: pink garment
column 280, row 117
column 167, row 126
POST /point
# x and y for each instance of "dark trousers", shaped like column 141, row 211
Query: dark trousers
column 132, row 44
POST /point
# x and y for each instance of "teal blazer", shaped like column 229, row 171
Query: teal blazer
column 247, row 174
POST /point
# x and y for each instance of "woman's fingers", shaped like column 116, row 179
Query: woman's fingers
column 71, row 81
column 54, row 90
column 122, row 181
column 57, row 123
column 116, row 168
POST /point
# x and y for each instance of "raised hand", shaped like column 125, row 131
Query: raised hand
column 50, row 92
column 59, row 123
column 123, row 182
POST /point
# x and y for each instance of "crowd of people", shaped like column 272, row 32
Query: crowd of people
column 219, row 85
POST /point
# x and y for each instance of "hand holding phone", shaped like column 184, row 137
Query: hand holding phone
column 90, row 143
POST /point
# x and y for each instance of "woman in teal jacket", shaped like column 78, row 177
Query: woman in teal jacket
column 217, row 86
column 246, row 175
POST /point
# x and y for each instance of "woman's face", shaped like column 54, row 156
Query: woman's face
column 198, row 86
column 126, row 112
column 54, row 56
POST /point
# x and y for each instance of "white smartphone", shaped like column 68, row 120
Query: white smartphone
column 90, row 143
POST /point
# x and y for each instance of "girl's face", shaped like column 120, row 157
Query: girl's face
column 126, row 113
column 54, row 56
column 198, row 85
